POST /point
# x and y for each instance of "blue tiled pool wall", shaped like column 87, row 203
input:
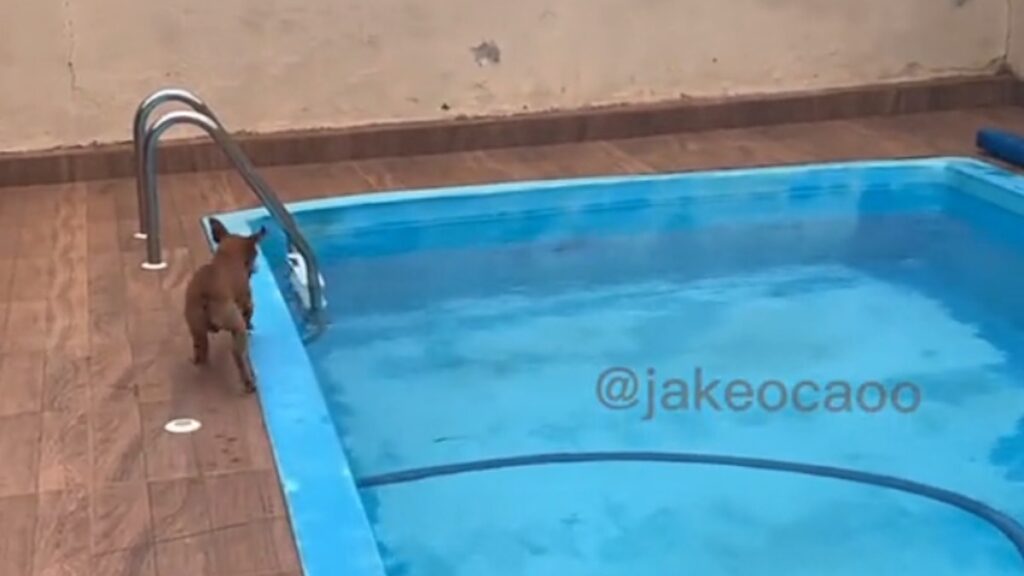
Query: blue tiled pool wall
column 652, row 206
column 607, row 205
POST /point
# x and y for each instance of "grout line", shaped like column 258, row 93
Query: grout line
column 629, row 162
column 151, row 536
column 90, row 415
column 197, row 534
column 40, row 422
column 374, row 185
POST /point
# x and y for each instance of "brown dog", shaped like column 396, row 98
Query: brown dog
column 218, row 297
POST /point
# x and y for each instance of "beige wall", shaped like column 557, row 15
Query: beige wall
column 72, row 71
column 1015, row 47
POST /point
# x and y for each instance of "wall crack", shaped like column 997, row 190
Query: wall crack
column 69, row 32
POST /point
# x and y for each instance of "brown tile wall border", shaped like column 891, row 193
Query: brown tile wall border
column 606, row 123
column 1017, row 92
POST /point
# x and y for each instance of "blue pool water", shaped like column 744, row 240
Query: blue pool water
column 508, row 325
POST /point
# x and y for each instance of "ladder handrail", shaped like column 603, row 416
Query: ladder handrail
column 245, row 168
column 139, row 125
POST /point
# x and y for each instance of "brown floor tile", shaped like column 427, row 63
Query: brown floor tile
column 164, row 371
column 102, row 237
column 240, row 497
column 10, row 241
column 106, row 282
column 6, row 273
column 64, row 451
column 123, row 195
column 299, row 183
column 33, row 277
column 192, row 555
column 21, row 378
column 111, row 373
column 135, row 561
column 16, row 205
column 17, row 534
column 62, row 534
column 284, row 545
column 19, row 445
column 100, row 195
column 75, row 567
column 705, row 150
column 376, row 175
column 1004, row 118
column 244, row 550
column 521, row 163
column 168, row 456
column 428, row 171
column 153, row 326
column 171, row 235
column 186, row 194
column 173, row 282
column 221, row 442
column 68, row 312
column 626, row 162
column 107, row 329
column 26, row 326
column 201, row 194
column 143, row 292
column 121, row 517
column 66, row 383
column 116, row 435
column 209, row 386
column 257, row 441
column 592, row 159
column 180, row 508
column 198, row 248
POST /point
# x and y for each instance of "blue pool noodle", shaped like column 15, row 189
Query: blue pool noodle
column 1003, row 145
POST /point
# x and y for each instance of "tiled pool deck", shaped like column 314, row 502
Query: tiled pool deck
column 94, row 356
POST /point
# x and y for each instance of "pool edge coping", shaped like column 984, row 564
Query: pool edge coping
column 296, row 414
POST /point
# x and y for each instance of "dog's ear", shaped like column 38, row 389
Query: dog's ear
column 255, row 238
column 218, row 230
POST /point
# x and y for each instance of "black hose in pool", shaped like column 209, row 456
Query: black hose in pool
column 1004, row 523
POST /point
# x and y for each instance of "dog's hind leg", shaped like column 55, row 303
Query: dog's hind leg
column 247, row 311
column 198, row 326
column 240, row 350
column 230, row 318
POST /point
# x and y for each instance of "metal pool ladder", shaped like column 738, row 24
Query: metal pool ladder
column 145, row 143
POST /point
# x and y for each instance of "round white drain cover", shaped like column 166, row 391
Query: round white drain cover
column 182, row 426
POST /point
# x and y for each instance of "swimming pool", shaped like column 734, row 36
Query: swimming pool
column 728, row 372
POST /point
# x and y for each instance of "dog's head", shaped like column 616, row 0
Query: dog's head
column 235, row 245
